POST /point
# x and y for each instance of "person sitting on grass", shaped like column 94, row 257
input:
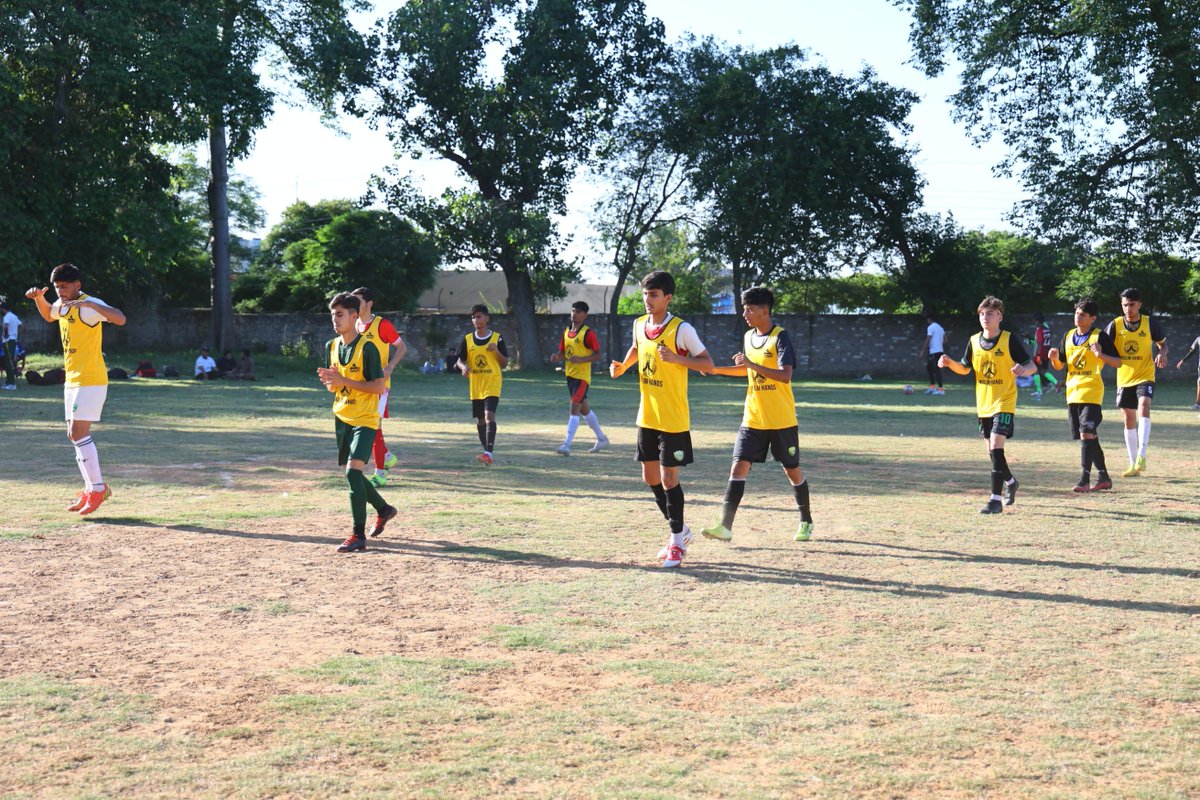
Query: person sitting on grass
column 245, row 368
column 205, row 367
column 226, row 365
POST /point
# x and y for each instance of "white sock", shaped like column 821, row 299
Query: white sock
column 594, row 424
column 572, row 426
column 1143, row 435
column 997, row 498
column 1131, row 443
column 89, row 463
column 677, row 538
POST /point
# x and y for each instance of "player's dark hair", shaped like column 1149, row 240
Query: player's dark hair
column 480, row 308
column 366, row 294
column 65, row 273
column 3, row 304
column 1039, row 317
column 1088, row 306
column 1131, row 294
column 659, row 280
column 758, row 296
column 245, row 352
column 345, row 300
column 990, row 302
column 579, row 305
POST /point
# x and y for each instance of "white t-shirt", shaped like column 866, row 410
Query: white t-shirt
column 686, row 337
column 937, row 335
column 205, row 364
column 11, row 326
column 88, row 316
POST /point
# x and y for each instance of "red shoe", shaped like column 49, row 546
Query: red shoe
column 674, row 557
column 383, row 518
column 352, row 544
column 486, row 458
column 1102, row 485
column 1081, row 487
column 80, row 501
column 93, row 501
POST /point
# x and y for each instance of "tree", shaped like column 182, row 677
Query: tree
column 798, row 169
column 699, row 278
column 309, row 257
column 1098, row 103
column 325, row 57
column 1163, row 281
column 515, row 94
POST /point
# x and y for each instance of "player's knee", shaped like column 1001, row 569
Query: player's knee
column 739, row 470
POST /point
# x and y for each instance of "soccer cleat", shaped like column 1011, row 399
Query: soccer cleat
column 993, row 507
column 390, row 460
column 666, row 548
column 939, row 393
column 353, row 542
column 931, row 390
column 1140, row 464
column 93, row 501
column 382, row 518
column 1131, row 472
column 378, row 479
column 563, row 449
column 1036, row 395
column 718, row 532
column 601, row 444
column 804, row 532
column 80, row 501
column 1082, row 486
column 484, row 458
column 1195, row 406
column 674, row 558
column 1102, row 484
column 1010, row 492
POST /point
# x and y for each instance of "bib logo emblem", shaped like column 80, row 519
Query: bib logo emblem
column 481, row 361
column 648, row 366
column 989, row 369
column 1131, row 348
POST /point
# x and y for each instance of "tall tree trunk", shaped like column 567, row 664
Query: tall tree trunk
column 221, row 330
column 616, row 346
column 520, row 299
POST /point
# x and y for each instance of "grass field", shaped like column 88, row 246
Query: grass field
column 511, row 636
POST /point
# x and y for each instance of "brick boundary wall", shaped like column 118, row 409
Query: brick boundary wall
column 827, row 345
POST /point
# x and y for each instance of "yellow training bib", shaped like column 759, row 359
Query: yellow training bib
column 577, row 346
column 485, row 377
column 770, row 404
column 664, row 403
column 83, row 359
column 371, row 334
column 1136, row 350
column 1084, row 383
column 995, row 384
column 351, row 406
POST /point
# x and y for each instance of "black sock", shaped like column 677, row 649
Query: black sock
column 1085, row 460
column 733, row 498
column 675, row 508
column 999, row 462
column 1098, row 458
column 997, row 457
column 801, row 490
column 660, row 497
column 491, row 437
column 481, row 429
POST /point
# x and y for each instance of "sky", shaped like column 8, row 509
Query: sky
column 296, row 157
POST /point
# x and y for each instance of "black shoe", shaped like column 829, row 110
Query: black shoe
column 993, row 507
column 1010, row 492
column 383, row 518
column 353, row 542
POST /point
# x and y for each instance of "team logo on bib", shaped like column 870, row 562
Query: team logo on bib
column 1131, row 348
column 481, row 361
column 989, row 369
column 648, row 365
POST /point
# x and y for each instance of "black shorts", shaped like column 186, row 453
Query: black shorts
column 577, row 388
column 486, row 404
column 752, row 445
column 1001, row 424
column 354, row 441
column 670, row 449
column 1127, row 397
column 1084, row 417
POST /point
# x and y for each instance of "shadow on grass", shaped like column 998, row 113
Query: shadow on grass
column 706, row 573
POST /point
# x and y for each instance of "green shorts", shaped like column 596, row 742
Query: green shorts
column 354, row 442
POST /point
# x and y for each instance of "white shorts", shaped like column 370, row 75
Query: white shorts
column 84, row 402
column 383, row 402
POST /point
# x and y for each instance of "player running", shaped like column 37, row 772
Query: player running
column 1087, row 349
column 664, row 348
column 997, row 358
column 353, row 371
column 769, row 420
column 383, row 335
column 578, row 349
column 1133, row 333
column 481, row 357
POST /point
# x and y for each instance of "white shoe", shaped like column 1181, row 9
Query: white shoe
column 601, row 444
column 1195, row 406
column 666, row 549
column 939, row 392
column 564, row 449
column 931, row 390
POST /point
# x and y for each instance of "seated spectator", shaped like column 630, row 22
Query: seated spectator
column 206, row 367
column 145, row 369
column 226, row 365
column 245, row 367
column 448, row 363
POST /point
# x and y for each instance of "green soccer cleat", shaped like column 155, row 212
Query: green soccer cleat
column 1140, row 464
column 804, row 532
column 390, row 460
column 378, row 479
column 1131, row 472
column 718, row 532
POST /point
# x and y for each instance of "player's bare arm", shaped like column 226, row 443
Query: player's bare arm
column 1024, row 370
column 1160, row 360
column 1055, row 356
column 1112, row 361
column 110, row 314
column 334, row 379
column 782, row 374
column 500, row 357
column 462, row 367
column 38, row 296
column 946, row 362
column 701, row 362
column 617, row 368
column 731, row 372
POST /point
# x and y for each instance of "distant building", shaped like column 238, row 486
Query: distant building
column 456, row 292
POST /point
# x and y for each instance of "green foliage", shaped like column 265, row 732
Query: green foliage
column 698, row 278
column 317, row 251
column 1098, row 103
column 1167, row 283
